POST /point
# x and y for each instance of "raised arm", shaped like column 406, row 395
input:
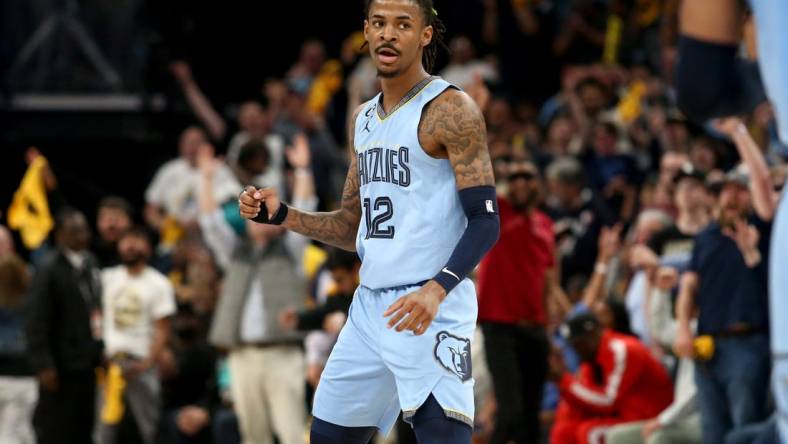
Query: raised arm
column 761, row 184
column 337, row 228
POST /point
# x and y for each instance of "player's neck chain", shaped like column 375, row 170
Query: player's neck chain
column 408, row 95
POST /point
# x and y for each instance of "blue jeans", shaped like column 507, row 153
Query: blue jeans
column 733, row 385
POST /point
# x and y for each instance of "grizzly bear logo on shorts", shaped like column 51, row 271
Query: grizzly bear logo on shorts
column 454, row 354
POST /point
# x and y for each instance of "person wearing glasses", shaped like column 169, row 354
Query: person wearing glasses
column 515, row 278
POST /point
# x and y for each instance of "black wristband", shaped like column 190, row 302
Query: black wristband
column 277, row 219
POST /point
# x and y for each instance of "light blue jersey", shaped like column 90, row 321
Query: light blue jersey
column 411, row 213
column 412, row 220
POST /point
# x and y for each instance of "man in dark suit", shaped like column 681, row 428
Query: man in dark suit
column 63, row 331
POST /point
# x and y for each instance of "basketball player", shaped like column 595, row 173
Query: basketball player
column 419, row 207
column 710, row 83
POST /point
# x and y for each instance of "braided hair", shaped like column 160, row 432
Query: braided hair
column 438, row 31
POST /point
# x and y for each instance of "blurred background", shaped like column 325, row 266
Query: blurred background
column 128, row 128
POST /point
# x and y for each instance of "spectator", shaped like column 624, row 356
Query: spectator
column 611, row 173
column 727, row 281
column 326, row 159
column 114, row 218
column 17, row 384
column 464, row 67
column 254, row 123
column 680, row 422
column 619, row 381
column 582, row 34
column 6, row 242
column 517, row 28
column 642, row 262
column 515, row 279
column 310, row 60
column 255, row 126
column 63, row 338
column 263, row 276
column 327, row 319
column 578, row 217
column 189, row 382
column 171, row 198
column 137, row 302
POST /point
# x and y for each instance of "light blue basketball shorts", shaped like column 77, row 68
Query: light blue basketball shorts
column 374, row 372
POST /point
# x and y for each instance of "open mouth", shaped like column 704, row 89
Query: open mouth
column 387, row 55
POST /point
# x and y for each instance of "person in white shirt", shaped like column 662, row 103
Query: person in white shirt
column 137, row 303
column 171, row 198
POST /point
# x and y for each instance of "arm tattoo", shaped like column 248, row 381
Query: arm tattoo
column 339, row 227
column 454, row 120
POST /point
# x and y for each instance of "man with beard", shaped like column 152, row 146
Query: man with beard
column 137, row 302
column 113, row 218
column 727, row 281
column 515, row 278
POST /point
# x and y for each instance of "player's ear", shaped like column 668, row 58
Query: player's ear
column 366, row 30
column 426, row 36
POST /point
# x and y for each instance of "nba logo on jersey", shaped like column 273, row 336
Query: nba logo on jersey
column 488, row 204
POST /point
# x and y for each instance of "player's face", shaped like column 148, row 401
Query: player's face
column 396, row 35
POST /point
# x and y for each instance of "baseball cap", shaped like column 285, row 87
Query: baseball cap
column 579, row 325
column 687, row 170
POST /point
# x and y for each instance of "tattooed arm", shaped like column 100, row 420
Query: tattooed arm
column 337, row 228
column 453, row 122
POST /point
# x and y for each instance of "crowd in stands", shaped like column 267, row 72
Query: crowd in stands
column 625, row 301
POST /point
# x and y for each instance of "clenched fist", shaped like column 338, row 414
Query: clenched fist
column 252, row 199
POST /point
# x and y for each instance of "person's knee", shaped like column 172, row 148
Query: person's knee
column 433, row 426
column 324, row 432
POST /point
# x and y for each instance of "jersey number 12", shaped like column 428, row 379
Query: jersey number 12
column 385, row 209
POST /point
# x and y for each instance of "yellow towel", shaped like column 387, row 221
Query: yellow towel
column 29, row 210
column 629, row 107
column 114, row 386
column 613, row 32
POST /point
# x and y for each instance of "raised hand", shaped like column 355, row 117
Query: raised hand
column 299, row 154
column 609, row 242
column 746, row 237
column 181, row 71
column 728, row 125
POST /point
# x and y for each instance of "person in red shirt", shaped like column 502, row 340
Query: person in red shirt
column 618, row 381
column 513, row 281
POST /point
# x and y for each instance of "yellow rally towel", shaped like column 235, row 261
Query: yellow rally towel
column 313, row 259
column 114, row 386
column 29, row 211
column 615, row 26
column 629, row 107
column 325, row 85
